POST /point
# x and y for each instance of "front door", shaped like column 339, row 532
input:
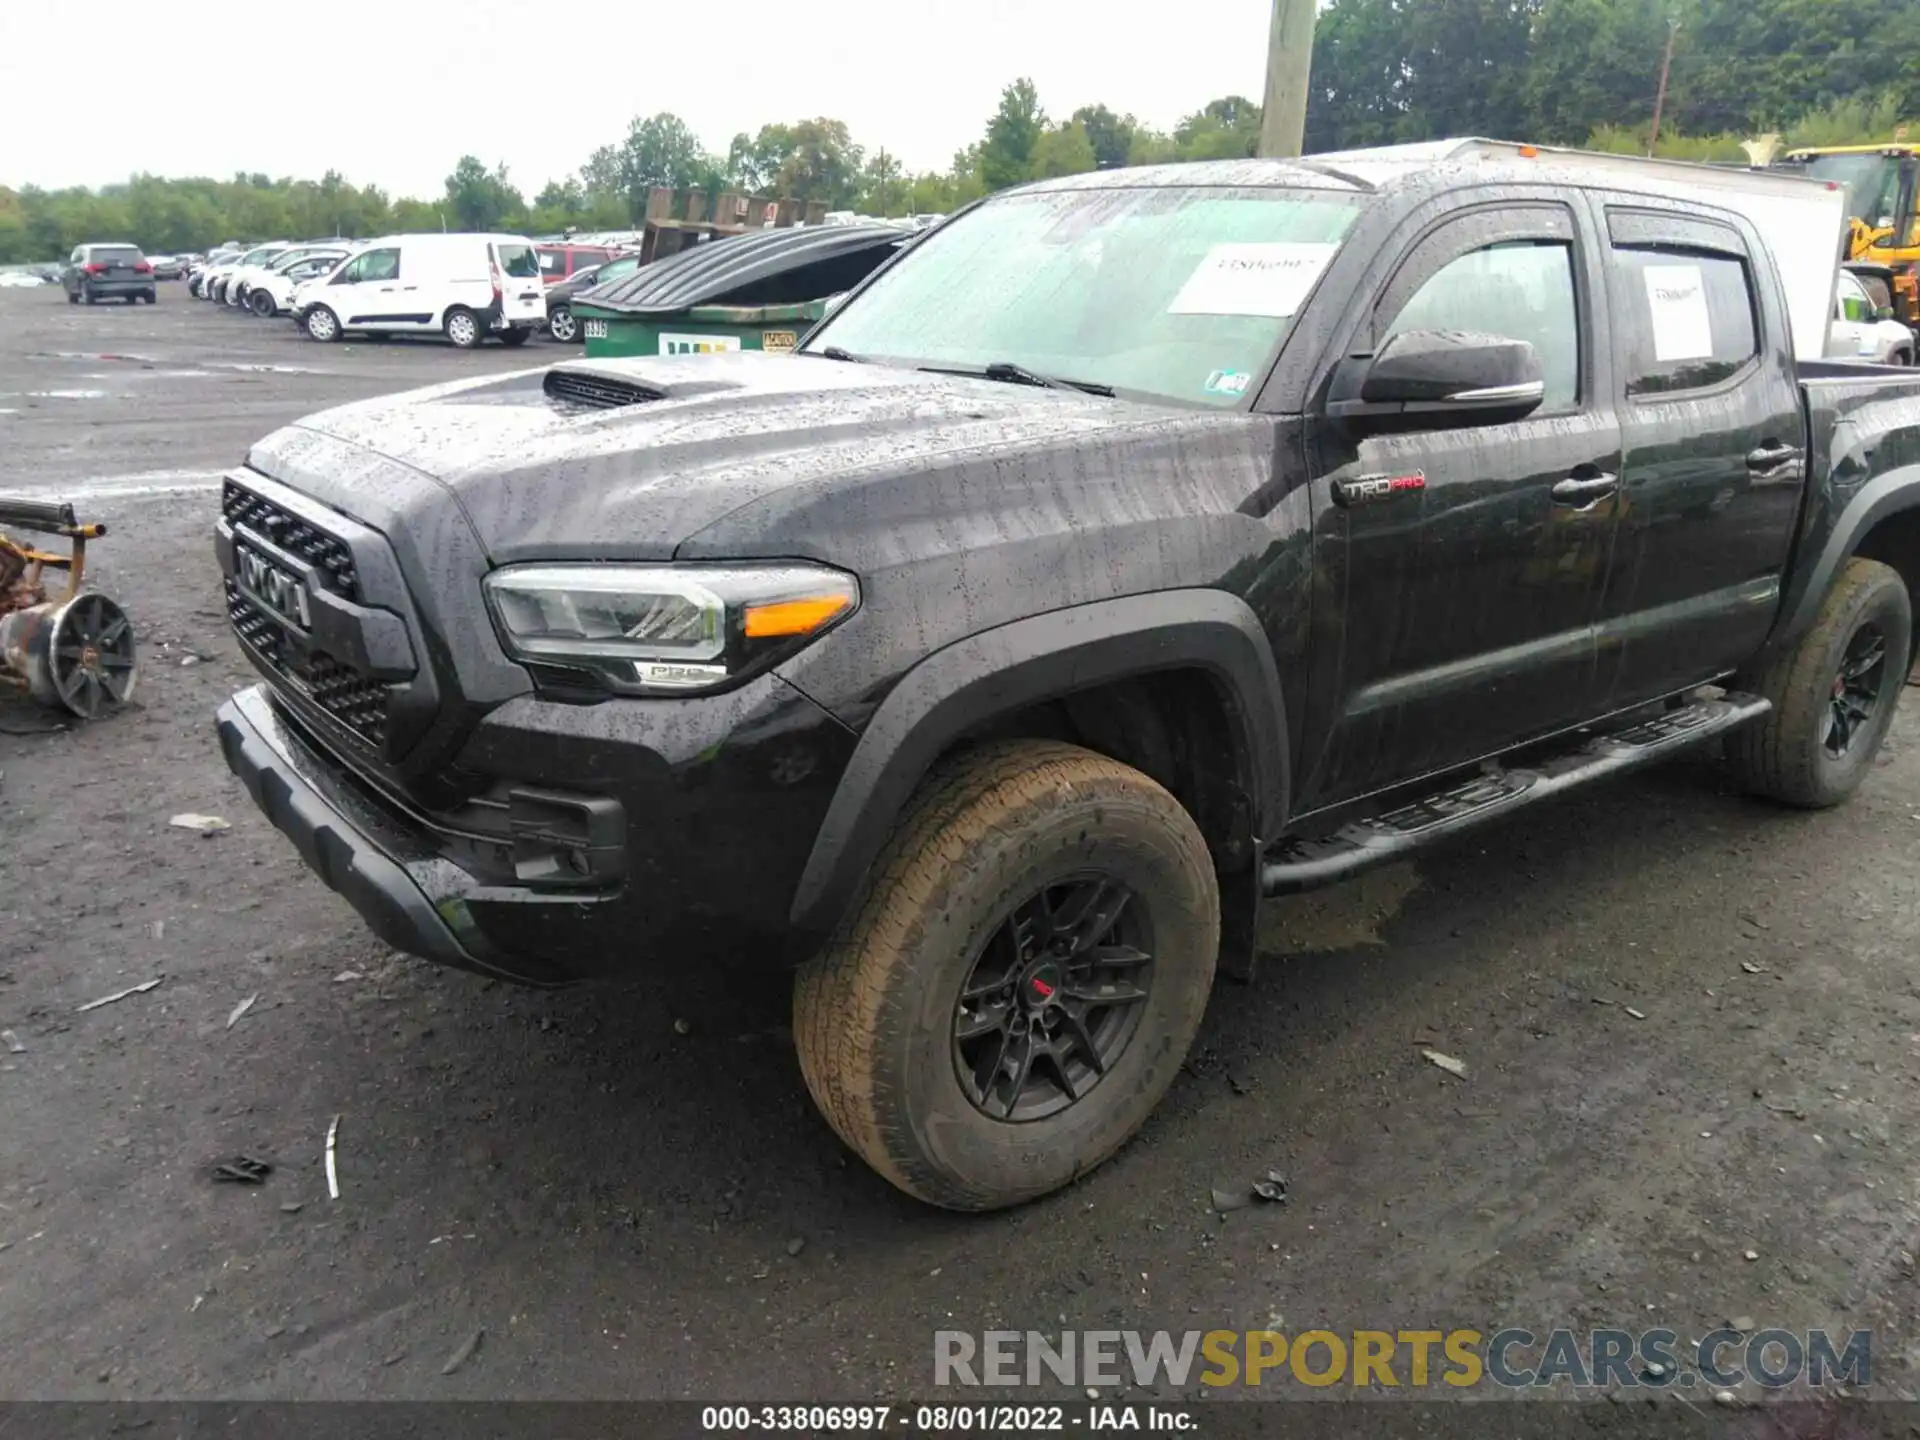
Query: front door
column 1714, row 451
column 1466, row 586
column 371, row 294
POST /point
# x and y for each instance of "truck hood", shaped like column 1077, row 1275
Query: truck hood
column 538, row 475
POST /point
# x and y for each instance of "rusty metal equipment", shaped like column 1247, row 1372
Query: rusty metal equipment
column 75, row 650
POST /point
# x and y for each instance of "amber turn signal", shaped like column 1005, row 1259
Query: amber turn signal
column 794, row 617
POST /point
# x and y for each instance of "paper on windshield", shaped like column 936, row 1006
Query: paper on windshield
column 1677, row 298
column 1253, row 277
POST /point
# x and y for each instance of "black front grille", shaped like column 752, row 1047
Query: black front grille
column 350, row 698
column 596, row 391
column 294, row 535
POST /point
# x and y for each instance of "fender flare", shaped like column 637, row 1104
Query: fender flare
column 1012, row 666
column 1881, row 497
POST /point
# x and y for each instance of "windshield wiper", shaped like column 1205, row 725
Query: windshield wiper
column 1011, row 374
column 834, row 352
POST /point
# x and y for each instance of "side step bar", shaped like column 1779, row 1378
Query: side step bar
column 1307, row 864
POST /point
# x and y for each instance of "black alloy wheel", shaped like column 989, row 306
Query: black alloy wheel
column 1053, row 1000
column 1856, row 690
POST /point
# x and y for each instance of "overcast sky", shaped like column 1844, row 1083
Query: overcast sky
column 393, row 92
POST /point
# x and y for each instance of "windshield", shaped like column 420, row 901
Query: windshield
column 1871, row 182
column 1182, row 292
column 519, row 261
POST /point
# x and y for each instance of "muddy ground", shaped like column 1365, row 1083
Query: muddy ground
column 630, row 1211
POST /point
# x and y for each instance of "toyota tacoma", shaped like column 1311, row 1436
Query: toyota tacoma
column 1130, row 550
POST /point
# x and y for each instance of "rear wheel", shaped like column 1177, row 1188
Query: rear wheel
column 1833, row 694
column 73, row 297
column 463, row 328
column 89, row 296
column 1021, row 984
column 562, row 326
column 515, row 336
column 322, row 324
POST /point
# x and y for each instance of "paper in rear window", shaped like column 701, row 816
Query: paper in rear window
column 519, row 261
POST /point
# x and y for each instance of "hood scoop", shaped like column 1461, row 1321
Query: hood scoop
column 609, row 387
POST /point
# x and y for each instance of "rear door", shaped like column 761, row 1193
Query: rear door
column 1471, row 580
column 516, row 276
column 1713, row 444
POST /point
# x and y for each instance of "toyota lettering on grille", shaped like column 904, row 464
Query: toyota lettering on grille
column 267, row 585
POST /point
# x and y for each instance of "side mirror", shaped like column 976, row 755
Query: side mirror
column 1439, row 379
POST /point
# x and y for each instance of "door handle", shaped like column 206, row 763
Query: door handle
column 1585, row 490
column 1771, row 457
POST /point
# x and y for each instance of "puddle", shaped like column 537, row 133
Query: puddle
column 184, row 375
column 269, row 369
column 1343, row 917
column 90, row 355
column 66, row 394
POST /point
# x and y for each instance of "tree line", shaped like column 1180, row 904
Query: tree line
column 1384, row 71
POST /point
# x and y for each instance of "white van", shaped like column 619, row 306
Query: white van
column 467, row 287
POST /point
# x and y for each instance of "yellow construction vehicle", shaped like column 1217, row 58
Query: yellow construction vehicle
column 1882, row 183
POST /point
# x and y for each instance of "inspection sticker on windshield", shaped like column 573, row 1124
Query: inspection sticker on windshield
column 1255, row 277
column 1228, row 382
column 1677, row 299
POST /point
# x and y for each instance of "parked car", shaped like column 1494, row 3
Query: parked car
column 1132, row 547
column 565, row 259
column 108, row 272
column 272, row 293
column 1865, row 331
column 197, row 273
column 240, row 284
column 168, row 267
column 465, row 286
column 560, row 322
column 218, row 280
column 249, row 265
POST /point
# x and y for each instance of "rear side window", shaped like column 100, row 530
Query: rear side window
column 520, row 261
column 553, row 263
column 1689, row 318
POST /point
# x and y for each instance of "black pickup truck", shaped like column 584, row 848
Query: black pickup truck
column 1129, row 550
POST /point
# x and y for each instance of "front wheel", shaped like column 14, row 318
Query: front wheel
column 562, row 326
column 463, row 328
column 322, row 324
column 262, row 304
column 1022, row 981
column 1833, row 694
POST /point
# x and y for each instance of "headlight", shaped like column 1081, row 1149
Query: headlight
column 664, row 629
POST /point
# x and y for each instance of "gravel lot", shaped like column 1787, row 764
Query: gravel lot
column 617, row 1203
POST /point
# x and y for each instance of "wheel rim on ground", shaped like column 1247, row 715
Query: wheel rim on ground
column 461, row 329
column 562, row 324
column 1053, row 1000
column 1855, row 698
column 91, row 655
column 320, row 324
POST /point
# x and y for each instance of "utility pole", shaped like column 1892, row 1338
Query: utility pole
column 1660, row 99
column 1283, row 120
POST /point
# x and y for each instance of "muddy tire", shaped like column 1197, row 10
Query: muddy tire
column 1022, row 980
column 1833, row 694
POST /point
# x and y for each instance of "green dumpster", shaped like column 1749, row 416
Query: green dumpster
column 696, row 331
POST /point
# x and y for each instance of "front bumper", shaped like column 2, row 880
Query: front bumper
column 719, row 800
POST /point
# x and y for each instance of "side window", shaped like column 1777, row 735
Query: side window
column 353, row 272
column 79, row 256
column 1689, row 317
column 1520, row 290
column 380, row 265
column 553, row 263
